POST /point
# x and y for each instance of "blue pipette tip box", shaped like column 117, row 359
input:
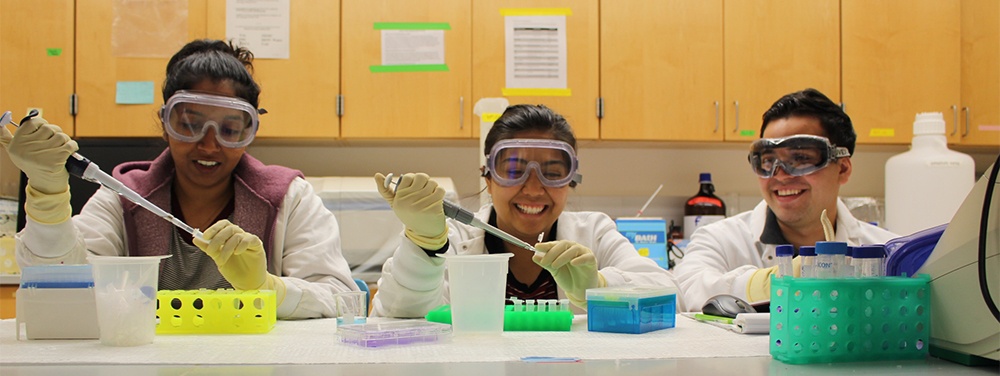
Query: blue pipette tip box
column 631, row 309
column 393, row 333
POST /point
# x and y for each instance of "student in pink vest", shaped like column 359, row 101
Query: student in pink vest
column 264, row 228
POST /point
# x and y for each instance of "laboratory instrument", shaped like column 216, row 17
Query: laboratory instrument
column 631, row 309
column 643, row 208
column 808, row 265
column 531, row 315
column 392, row 333
column 868, row 261
column 81, row 167
column 783, row 254
column 925, row 185
column 704, row 207
column 830, row 259
column 457, row 213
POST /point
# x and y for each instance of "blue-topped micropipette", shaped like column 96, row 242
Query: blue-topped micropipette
column 457, row 213
column 81, row 167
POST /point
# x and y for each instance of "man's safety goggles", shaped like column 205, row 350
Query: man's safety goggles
column 798, row 155
column 554, row 162
column 187, row 116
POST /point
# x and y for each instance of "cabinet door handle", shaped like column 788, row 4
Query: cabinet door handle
column 968, row 114
column 461, row 113
column 737, row 113
column 954, row 110
column 716, row 117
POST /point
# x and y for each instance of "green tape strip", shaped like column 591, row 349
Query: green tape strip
column 53, row 51
column 409, row 68
column 412, row 26
column 748, row 133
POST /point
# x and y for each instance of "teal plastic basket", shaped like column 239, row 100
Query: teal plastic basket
column 849, row 319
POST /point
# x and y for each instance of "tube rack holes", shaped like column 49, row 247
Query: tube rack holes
column 779, row 292
column 834, row 294
column 869, row 294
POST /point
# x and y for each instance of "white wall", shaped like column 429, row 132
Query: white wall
column 618, row 176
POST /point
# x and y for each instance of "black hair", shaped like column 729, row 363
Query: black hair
column 812, row 103
column 215, row 60
column 525, row 118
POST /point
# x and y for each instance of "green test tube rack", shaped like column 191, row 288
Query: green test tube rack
column 849, row 319
column 523, row 319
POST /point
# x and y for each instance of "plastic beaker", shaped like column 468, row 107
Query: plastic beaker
column 125, row 291
column 478, row 284
column 352, row 307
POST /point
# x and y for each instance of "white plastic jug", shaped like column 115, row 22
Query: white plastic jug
column 925, row 186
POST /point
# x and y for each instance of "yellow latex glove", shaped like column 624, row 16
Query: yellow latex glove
column 40, row 150
column 240, row 257
column 759, row 285
column 418, row 201
column 572, row 265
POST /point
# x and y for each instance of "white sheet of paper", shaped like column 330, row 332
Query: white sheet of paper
column 260, row 25
column 535, row 52
column 412, row 47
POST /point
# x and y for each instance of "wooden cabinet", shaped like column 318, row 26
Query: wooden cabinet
column 299, row 93
column 489, row 66
column 393, row 103
column 36, row 63
column 773, row 48
column 980, row 121
column 900, row 58
column 105, row 57
column 661, row 70
column 707, row 70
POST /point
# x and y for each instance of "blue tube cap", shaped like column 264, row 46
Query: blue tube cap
column 784, row 250
column 831, row 248
column 807, row 250
column 869, row 251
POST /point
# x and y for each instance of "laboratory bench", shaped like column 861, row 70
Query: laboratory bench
column 309, row 347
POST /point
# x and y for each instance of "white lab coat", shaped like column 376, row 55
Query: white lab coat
column 413, row 283
column 721, row 257
column 306, row 243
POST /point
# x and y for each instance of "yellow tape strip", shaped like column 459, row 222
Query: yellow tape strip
column 536, row 11
column 882, row 132
column 536, row 92
column 490, row 117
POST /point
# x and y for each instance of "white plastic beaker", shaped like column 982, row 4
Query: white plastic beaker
column 478, row 284
column 125, row 291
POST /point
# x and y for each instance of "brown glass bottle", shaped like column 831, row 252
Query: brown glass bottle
column 704, row 207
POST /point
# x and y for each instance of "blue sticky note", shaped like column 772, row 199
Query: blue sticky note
column 134, row 92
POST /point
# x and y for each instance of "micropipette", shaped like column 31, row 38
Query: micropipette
column 81, row 167
column 457, row 213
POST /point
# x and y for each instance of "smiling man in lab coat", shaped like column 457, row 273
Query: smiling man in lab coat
column 802, row 159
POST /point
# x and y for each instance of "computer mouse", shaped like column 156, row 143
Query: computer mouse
column 726, row 305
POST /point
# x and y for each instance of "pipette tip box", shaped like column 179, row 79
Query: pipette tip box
column 393, row 333
column 56, row 302
column 631, row 309
column 215, row 311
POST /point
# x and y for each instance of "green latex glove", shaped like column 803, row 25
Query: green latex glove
column 240, row 257
column 572, row 265
column 40, row 150
column 418, row 201
column 759, row 285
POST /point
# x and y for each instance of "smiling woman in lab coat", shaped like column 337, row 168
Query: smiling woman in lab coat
column 204, row 178
column 530, row 172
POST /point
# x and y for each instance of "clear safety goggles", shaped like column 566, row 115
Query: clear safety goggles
column 798, row 155
column 554, row 162
column 187, row 116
